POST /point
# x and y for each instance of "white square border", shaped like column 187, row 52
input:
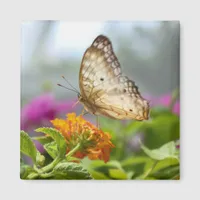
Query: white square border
column 13, row 14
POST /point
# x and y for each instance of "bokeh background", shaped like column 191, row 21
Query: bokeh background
column 149, row 53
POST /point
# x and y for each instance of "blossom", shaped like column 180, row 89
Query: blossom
column 41, row 109
column 165, row 101
column 95, row 143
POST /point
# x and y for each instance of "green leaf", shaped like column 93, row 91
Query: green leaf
column 130, row 174
column 57, row 136
column 135, row 160
column 160, row 130
column 167, row 173
column 111, row 169
column 134, row 127
column 101, row 165
column 71, row 171
column 27, row 146
column 52, row 149
column 25, row 170
column 117, row 174
column 160, row 110
column 98, row 175
column 162, row 164
column 43, row 139
column 136, row 164
column 166, row 151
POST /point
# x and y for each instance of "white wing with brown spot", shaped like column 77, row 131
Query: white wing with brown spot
column 103, row 88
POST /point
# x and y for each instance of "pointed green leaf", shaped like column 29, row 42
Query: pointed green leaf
column 57, row 136
column 166, row 151
column 67, row 170
column 43, row 139
column 27, row 146
column 52, row 149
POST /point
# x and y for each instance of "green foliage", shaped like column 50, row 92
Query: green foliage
column 155, row 158
column 110, row 170
column 136, row 164
column 59, row 168
column 67, row 170
column 166, row 151
column 25, row 170
column 52, row 149
column 161, row 129
column 57, row 136
column 27, row 146
column 43, row 139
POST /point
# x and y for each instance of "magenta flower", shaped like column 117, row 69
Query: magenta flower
column 41, row 110
column 165, row 101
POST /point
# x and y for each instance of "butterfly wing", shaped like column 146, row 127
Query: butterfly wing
column 98, row 64
column 103, row 87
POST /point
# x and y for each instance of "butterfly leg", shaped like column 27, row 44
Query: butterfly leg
column 83, row 112
column 97, row 122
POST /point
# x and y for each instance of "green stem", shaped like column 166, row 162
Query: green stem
column 76, row 148
column 175, row 96
column 43, row 171
column 32, row 175
column 51, row 165
column 47, row 175
column 150, row 170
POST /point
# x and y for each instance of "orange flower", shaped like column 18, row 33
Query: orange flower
column 95, row 143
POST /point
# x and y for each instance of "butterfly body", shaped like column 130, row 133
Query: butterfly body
column 103, row 88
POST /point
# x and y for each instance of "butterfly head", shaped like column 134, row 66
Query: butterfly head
column 80, row 98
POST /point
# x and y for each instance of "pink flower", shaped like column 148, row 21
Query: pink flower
column 165, row 101
column 41, row 110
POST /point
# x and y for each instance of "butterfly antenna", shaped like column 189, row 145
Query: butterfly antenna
column 70, row 84
column 67, row 88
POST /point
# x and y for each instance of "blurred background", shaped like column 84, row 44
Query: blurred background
column 149, row 53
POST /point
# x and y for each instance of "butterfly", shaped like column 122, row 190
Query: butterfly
column 104, row 90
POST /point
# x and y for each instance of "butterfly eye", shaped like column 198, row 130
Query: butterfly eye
column 124, row 90
column 130, row 110
column 102, row 79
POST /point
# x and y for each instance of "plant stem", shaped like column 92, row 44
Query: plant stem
column 32, row 175
column 73, row 150
column 43, row 171
column 146, row 174
column 47, row 175
column 51, row 165
column 175, row 95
